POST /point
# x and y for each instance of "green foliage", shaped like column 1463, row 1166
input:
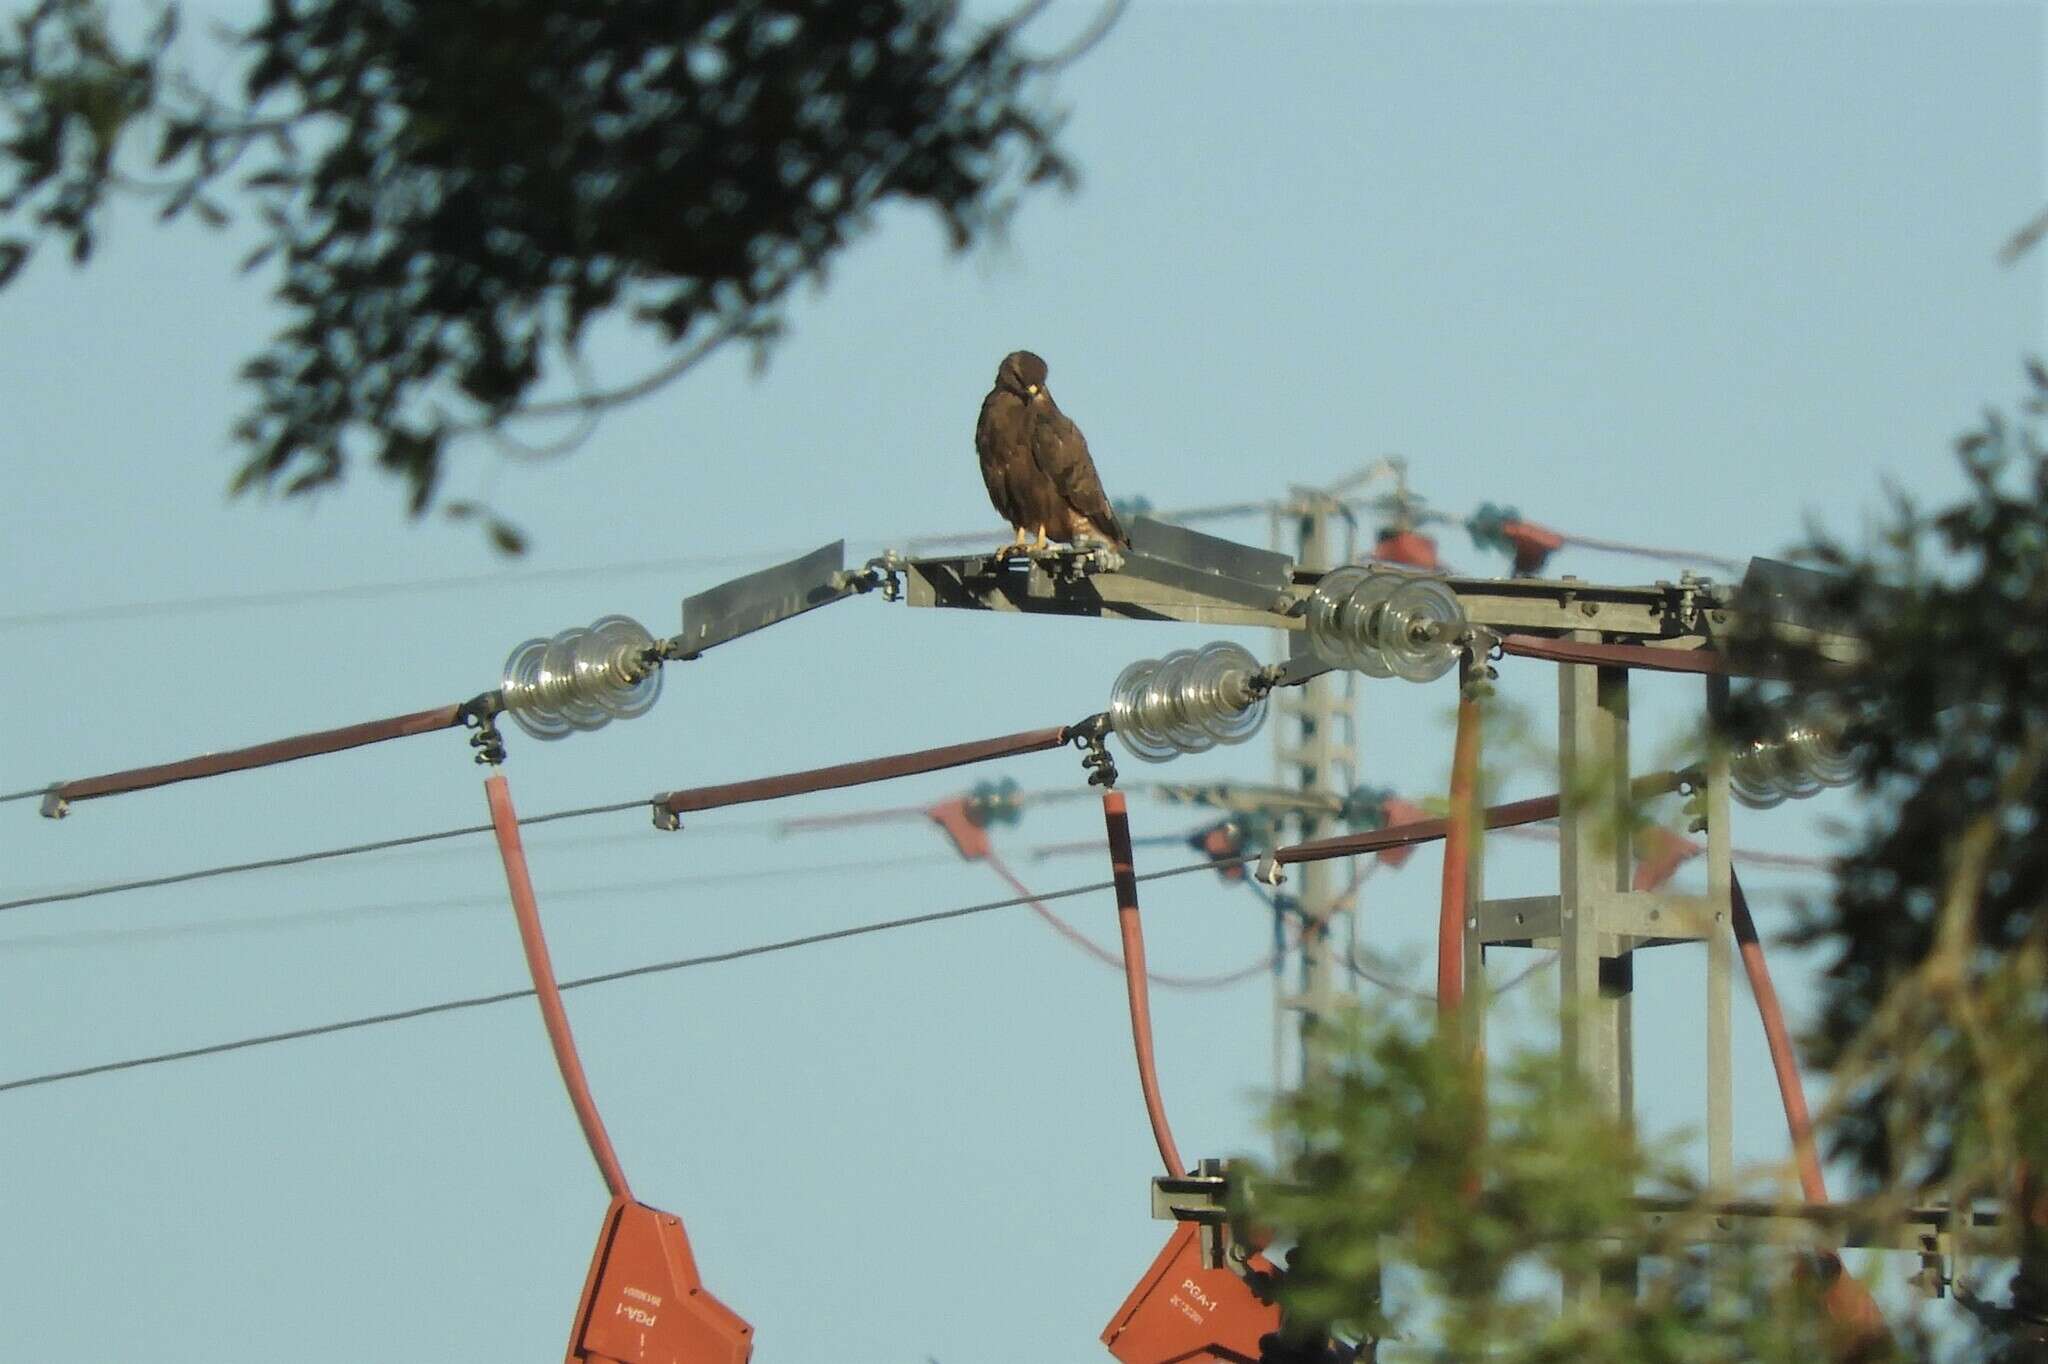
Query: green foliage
column 67, row 95
column 1483, row 1203
column 1933, row 996
column 1934, row 1019
column 451, row 194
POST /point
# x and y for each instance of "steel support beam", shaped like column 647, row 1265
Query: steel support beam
column 1720, row 959
column 1594, row 857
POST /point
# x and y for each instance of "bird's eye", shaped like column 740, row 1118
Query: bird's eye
column 1031, row 389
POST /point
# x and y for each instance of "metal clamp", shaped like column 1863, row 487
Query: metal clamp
column 1482, row 648
column 1059, row 564
column 884, row 571
column 1202, row 1197
column 481, row 715
column 1088, row 736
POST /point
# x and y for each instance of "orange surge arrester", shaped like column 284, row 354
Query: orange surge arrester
column 642, row 1300
column 1180, row 1312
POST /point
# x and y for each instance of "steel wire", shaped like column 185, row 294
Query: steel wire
column 580, row 982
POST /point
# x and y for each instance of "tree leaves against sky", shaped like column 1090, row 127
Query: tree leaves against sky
column 1935, row 993
column 1418, row 1209
column 1933, row 1026
column 450, row 195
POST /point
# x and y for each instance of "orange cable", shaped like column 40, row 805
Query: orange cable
column 1460, row 826
column 1108, row 958
column 1116, row 816
column 1848, row 1303
column 1812, row 1183
column 506, row 825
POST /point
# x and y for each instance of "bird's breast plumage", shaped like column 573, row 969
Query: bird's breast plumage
column 1002, row 439
column 1036, row 466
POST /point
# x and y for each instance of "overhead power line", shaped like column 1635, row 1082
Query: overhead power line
column 297, row 859
column 245, row 923
column 668, row 806
column 580, row 982
column 1088, row 945
column 901, row 764
column 242, row 601
column 1654, row 552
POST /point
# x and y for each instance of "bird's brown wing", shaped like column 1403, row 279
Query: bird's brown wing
column 1061, row 453
column 1002, row 437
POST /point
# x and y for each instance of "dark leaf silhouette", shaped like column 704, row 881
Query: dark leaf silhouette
column 451, row 195
column 1948, row 713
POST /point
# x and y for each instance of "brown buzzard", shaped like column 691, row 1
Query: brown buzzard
column 1036, row 465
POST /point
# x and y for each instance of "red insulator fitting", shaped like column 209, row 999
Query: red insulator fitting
column 1533, row 545
column 1659, row 855
column 1410, row 547
column 969, row 839
column 1396, row 811
column 1223, row 844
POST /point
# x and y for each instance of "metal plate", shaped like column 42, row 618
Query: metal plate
column 977, row 583
column 1787, row 593
column 759, row 600
column 1211, row 554
column 1207, row 584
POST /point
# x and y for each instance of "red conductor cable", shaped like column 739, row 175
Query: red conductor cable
column 1186, row 1308
column 671, row 804
column 1460, row 831
column 1812, row 1184
column 1853, row 1312
column 643, row 1299
column 1408, row 833
column 972, row 842
column 61, row 796
column 506, row 825
column 1116, row 815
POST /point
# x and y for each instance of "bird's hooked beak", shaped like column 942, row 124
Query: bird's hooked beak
column 1031, row 390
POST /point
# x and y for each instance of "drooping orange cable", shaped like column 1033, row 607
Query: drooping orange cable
column 505, row 824
column 972, row 842
column 1461, row 825
column 1163, row 979
column 1812, row 1183
column 1116, row 816
column 1854, row 1313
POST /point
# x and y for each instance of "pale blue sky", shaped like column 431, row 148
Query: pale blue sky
column 1669, row 273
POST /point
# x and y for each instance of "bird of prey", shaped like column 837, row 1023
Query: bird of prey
column 1036, row 465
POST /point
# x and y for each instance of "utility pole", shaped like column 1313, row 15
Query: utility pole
column 1315, row 751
